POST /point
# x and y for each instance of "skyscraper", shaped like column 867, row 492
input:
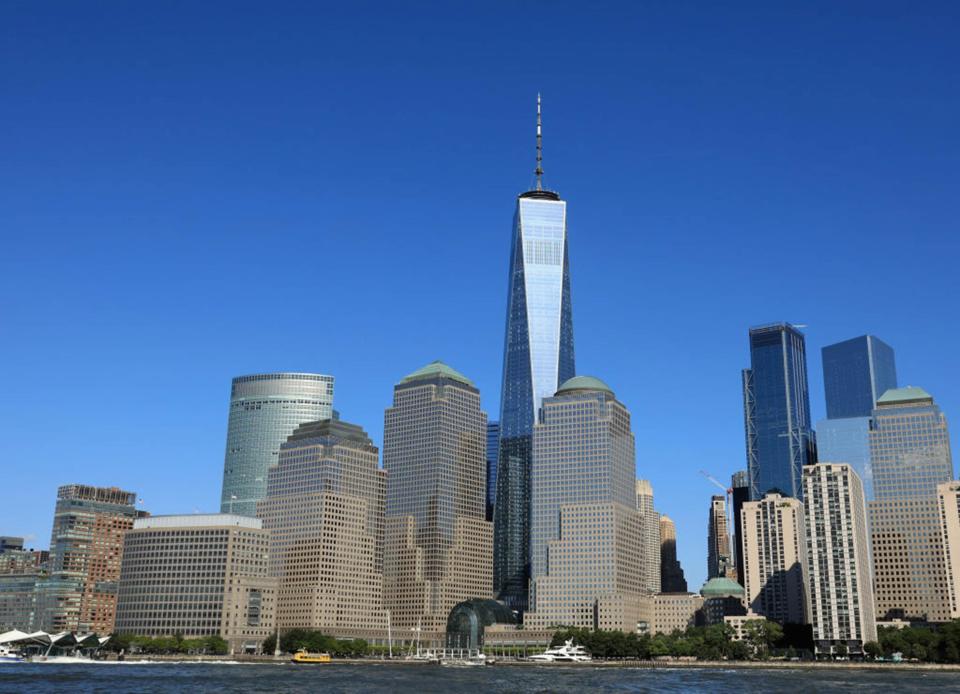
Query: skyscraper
column 650, row 529
column 586, row 531
column 86, row 548
column 855, row 374
column 740, row 484
column 777, row 411
column 773, row 556
column 910, row 451
column 839, row 592
column 264, row 411
column 718, row 539
column 538, row 356
column 493, row 451
column 672, row 579
column 948, row 499
column 324, row 508
column 439, row 545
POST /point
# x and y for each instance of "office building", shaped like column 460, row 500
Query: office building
column 718, row 539
column 839, row 593
column 538, row 357
column 948, row 502
column 650, row 530
column 739, row 494
column 587, row 539
column 773, row 555
column 776, row 404
column 324, row 509
column 439, row 545
column 722, row 597
column 196, row 576
column 910, row 452
column 264, row 411
column 493, row 452
column 847, row 441
column 675, row 611
column 672, row 579
column 18, row 601
column 86, row 547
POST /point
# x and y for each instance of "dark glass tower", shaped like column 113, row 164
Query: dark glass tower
column 855, row 374
column 537, row 358
column 493, row 451
column 776, row 405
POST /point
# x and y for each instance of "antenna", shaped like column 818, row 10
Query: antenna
column 539, row 170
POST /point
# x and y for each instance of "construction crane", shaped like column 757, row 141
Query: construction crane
column 728, row 490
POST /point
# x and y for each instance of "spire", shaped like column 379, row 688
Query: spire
column 539, row 171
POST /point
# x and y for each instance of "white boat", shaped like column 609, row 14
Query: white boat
column 468, row 661
column 8, row 655
column 567, row 653
column 62, row 659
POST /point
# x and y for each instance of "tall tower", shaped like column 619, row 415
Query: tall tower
column 264, row 411
column 777, row 411
column 537, row 358
column 718, row 539
column 650, row 528
column 672, row 579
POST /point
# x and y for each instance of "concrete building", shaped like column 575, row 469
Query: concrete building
column 264, row 411
column 672, row 579
column 650, row 531
column 773, row 556
column 439, row 547
column 910, row 454
column 948, row 501
column 718, row 539
column 198, row 575
column 839, row 593
column 675, row 612
column 587, row 538
column 86, row 547
column 324, row 509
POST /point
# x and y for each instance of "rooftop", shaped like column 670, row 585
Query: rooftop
column 904, row 395
column 437, row 369
column 721, row 588
column 583, row 383
column 197, row 520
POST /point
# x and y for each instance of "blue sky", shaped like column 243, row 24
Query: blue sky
column 194, row 191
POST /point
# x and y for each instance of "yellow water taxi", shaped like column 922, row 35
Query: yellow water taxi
column 302, row 656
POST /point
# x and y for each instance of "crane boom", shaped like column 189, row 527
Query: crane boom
column 716, row 481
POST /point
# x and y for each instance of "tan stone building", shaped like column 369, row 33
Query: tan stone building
column 718, row 539
column 674, row 612
column 771, row 532
column 324, row 509
column 439, row 545
column 672, row 579
column 948, row 500
column 650, row 531
column 198, row 575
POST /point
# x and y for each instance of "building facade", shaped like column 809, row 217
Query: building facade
column 587, row 538
column 650, row 529
column 779, row 438
column 493, row 451
column 264, row 411
column 538, row 356
column 324, row 508
column 773, row 555
column 86, row 548
column 675, row 611
column 718, row 539
column 839, row 595
column 439, row 544
column 672, row 579
column 740, row 494
column 948, row 502
column 910, row 452
column 198, row 575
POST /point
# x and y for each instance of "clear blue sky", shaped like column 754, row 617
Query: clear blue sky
column 194, row 191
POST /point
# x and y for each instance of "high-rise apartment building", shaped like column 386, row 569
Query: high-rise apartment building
column 538, row 356
column 910, row 452
column 855, row 374
column 324, row 509
column 773, row 554
column 948, row 501
column 198, row 575
column 587, row 539
column 839, row 590
column 739, row 494
column 86, row 547
column 264, row 411
column 776, row 406
column 439, row 545
column 650, row 529
column 493, row 452
column 718, row 539
column 672, row 579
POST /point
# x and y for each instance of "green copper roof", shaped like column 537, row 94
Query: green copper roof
column 721, row 588
column 437, row 369
column 583, row 383
column 908, row 394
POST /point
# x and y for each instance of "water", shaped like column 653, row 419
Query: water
column 162, row 678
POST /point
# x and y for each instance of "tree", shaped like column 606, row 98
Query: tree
column 762, row 634
column 840, row 650
column 872, row 649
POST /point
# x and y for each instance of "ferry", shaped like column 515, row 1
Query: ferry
column 8, row 655
column 302, row 656
column 567, row 653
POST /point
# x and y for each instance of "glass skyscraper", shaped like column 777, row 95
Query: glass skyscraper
column 264, row 410
column 493, row 451
column 776, row 404
column 537, row 358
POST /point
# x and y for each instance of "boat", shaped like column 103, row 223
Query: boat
column 8, row 655
column 567, row 653
column 464, row 661
column 302, row 656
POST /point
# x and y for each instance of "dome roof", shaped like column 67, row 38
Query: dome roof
column 437, row 369
column 579, row 383
column 721, row 588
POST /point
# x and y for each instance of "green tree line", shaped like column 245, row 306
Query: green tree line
column 168, row 645
column 932, row 645
column 315, row 641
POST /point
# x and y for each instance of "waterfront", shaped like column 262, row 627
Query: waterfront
column 243, row 678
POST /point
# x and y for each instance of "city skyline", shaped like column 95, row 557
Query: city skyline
column 135, row 265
